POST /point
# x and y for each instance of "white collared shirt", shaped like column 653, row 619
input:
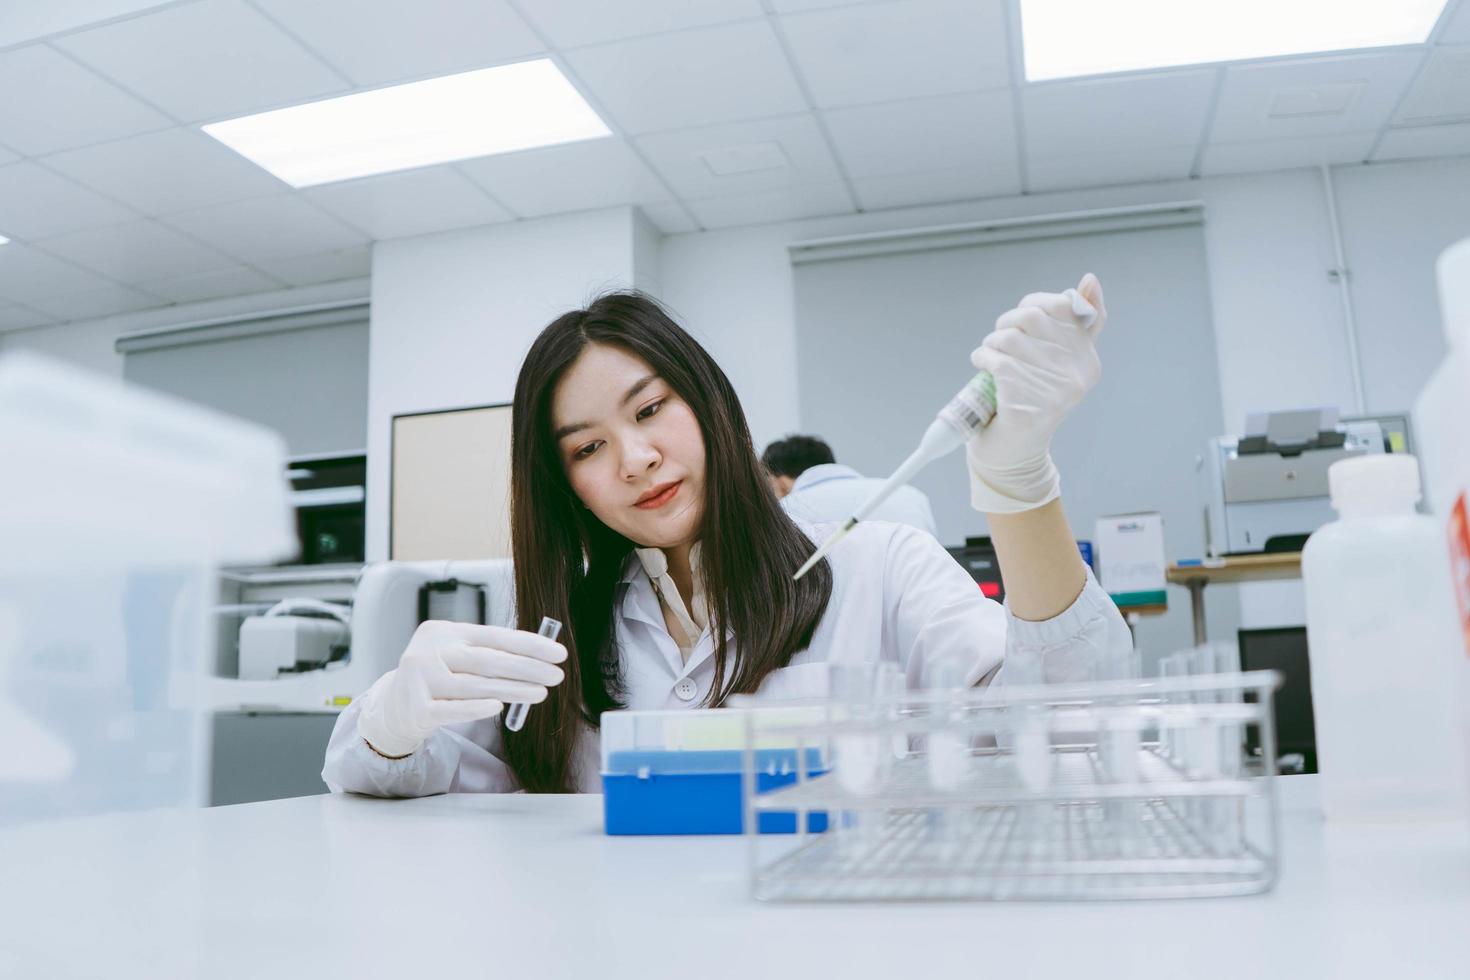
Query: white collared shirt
column 896, row 596
column 692, row 619
column 832, row 492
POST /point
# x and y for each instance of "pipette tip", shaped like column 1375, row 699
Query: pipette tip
column 827, row 546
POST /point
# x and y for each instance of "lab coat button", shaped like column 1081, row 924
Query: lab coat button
column 686, row 690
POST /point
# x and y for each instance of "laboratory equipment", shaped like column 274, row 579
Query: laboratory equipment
column 1380, row 619
column 978, row 557
column 1103, row 789
column 684, row 772
column 515, row 714
column 388, row 601
column 1284, row 650
column 969, row 411
column 329, row 494
column 1441, row 410
column 292, row 636
column 1267, row 490
column 119, row 506
column 1130, row 559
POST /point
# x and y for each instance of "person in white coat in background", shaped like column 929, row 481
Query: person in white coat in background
column 814, row 487
column 642, row 519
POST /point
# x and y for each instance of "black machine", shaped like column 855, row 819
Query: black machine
column 978, row 558
column 329, row 497
column 1285, row 650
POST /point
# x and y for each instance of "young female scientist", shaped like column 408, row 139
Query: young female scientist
column 642, row 520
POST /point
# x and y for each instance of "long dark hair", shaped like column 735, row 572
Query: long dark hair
column 568, row 563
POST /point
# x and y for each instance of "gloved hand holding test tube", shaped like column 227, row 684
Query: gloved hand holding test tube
column 515, row 713
column 967, row 413
column 453, row 673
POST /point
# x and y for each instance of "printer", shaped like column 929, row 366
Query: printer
column 1267, row 490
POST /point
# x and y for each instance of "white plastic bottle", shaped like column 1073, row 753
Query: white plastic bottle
column 1444, row 439
column 1382, row 640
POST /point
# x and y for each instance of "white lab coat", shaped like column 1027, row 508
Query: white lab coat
column 831, row 492
column 897, row 595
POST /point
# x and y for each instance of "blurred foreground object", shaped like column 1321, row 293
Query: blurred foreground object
column 116, row 507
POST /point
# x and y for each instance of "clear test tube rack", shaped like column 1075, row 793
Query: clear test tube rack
column 1100, row 790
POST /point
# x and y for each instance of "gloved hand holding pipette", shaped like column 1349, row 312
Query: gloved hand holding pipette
column 1043, row 357
column 455, row 672
column 1033, row 369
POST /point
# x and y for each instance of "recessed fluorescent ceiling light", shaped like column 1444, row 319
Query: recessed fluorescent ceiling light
column 1065, row 38
column 474, row 114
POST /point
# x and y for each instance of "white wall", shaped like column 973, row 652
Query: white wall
column 88, row 344
column 732, row 290
column 91, row 343
column 1396, row 220
column 454, row 313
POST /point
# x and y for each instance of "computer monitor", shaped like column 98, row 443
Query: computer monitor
column 1284, row 649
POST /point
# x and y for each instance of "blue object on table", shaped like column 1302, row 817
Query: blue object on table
column 1086, row 548
column 698, row 792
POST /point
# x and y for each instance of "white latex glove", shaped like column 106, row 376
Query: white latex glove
column 1044, row 359
column 455, row 672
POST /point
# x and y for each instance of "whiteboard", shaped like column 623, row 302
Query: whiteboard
column 450, row 485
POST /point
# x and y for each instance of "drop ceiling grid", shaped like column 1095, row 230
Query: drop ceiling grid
column 91, row 192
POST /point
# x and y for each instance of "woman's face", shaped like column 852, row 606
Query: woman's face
column 632, row 448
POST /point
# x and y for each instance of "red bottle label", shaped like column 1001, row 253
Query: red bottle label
column 1459, row 528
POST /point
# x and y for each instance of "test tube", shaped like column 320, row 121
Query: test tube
column 947, row 751
column 515, row 713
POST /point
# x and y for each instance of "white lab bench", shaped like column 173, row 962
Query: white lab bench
column 525, row 886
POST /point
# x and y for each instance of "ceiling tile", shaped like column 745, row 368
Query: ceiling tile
column 173, row 170
column 932, row 187
column 1246, row 100
column 572, row 177
column 7, row 157
column 108, row 301
column 1425, row 141
column 266, row 228
column 899, row 50
column 134, row 252
column 678, row 156
column 35, row 203
column 1069, row 118
column 28, row 274
column 373, row 43
column 1442, row 92
column 572, row 23
column 65, row 105
column 30, row 21
column 207, row 60
column 785, row 204
column 1458, row 29
column 233, row 281
column 671, row 219
column 20, row 318
column 692, row 78
column 973, row 131
column 1110, row 164
column 795, row 6
column 413, row 202
column 1285, row 154
column 308, row 270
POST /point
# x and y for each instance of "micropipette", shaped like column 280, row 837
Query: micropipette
column 515, row 713
column 966, row 414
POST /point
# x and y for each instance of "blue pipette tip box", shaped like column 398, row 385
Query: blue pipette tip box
column 683, row 772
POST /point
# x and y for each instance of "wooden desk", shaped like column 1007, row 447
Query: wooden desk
column 1239, row 568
